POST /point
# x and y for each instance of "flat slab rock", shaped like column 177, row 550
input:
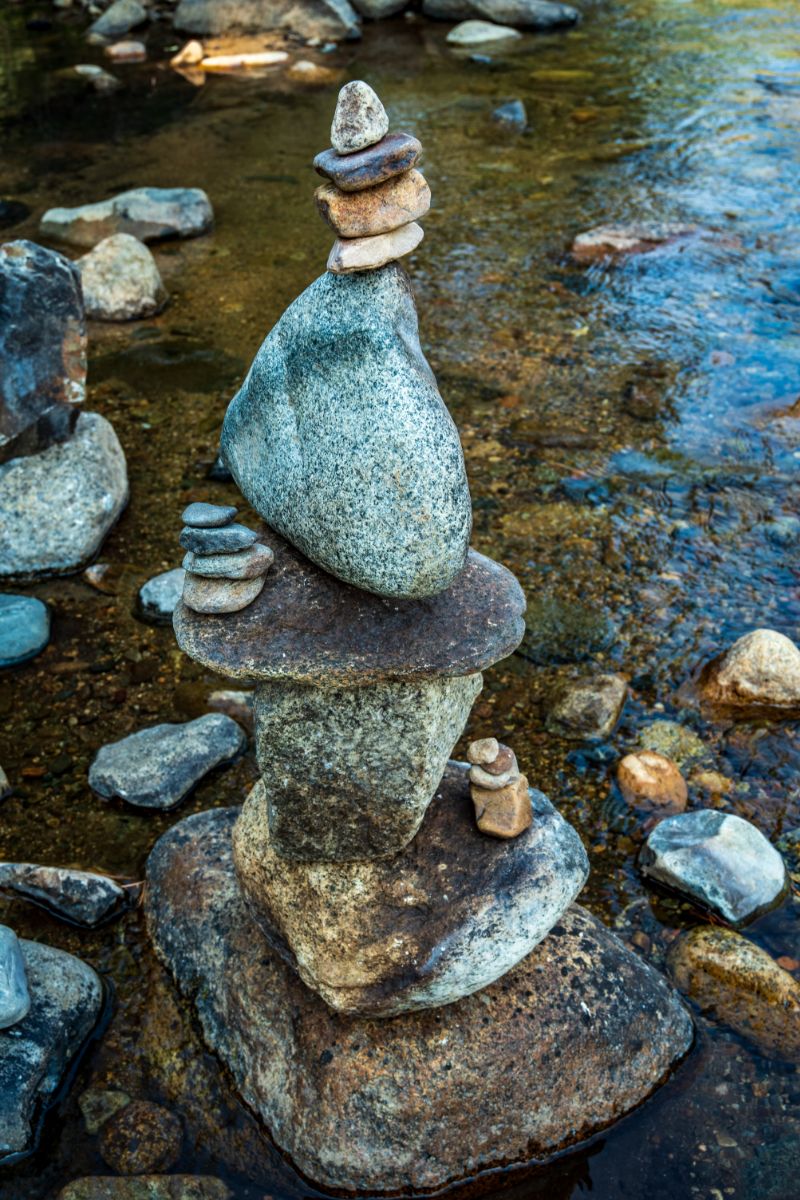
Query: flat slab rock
column 66, row 1002
column 82, row 897
column 159, row 766
column 449, row 915
column 147, row 213
column 308, row 626
column 572, row 1038
column 326, row 19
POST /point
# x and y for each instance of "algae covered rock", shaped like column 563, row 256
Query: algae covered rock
column 340, row 440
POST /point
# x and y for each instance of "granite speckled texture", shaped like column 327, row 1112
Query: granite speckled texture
column 147, row 213
column 349, row 772
column 308, row 627
column 449, row 915
column 567, row 1042
column 340, row 440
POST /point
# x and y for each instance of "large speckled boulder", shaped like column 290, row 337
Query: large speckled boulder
column 340, row 440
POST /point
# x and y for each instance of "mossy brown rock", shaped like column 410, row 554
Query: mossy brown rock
column 572, row 1038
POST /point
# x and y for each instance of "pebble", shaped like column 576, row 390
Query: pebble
column 24, row 628
column 223, row 540
column 674, row 741
column 306, row 71
column 491, row 782
column 483, row 751
column 15, row 1000
column 246, row 564
column 395, row 153
column 235, row 704
column 613, row 241
column 505, row 813
column 360, row 119
column 505, row 761
column 235, row 62
column 189, row 55
column 398, row 201
column 718, row 859
column 366, row 254
column 513, row 115
column 97, row 1105
column 760, row 669
column 208, row 516
column 649, row 780
column 159, row 597
column 81, row 897
column 738, row 983
column 216, row 596
column 141, row 1137
column 101, row 81
column 159, row 766
column 146, row 213
column 127, row 52
column 474, row 33
column 120, row 280
column 119, row 18
column 589, row 707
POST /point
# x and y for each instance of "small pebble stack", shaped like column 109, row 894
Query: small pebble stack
column 225, row 564
column 499, row 792
column 374, row 196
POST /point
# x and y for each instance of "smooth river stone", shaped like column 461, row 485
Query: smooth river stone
column 308, row 627
column 246, row 564
column 448, row 916
column 208, row 516
column 146, row 213
column 120, row 280
column 576, row 1035
column 15, row 999
column 220, row 595
column 395, row 153
column 351, row 771
column 366, row 254
column 477, row 33
column 360, row 119
column 225, row 540
column 24, row 628
column 400, row 200
column 340, row 440
column 82, row 897
column 158, row 597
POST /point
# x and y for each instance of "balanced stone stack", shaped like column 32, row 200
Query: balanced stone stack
column 225, row 563
column 333, row 931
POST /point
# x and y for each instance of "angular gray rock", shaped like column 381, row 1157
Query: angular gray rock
column 42, row 348
column 328, row 19
column 15, row 999
column 340, row 440
column 120, row 280
column 56, row 507
column 587, row 708
column 147, row 213
column 354, row 930
column 719, row 859
column 66, row 1002
column 159, row 596
column 512, row 116
column 351, row 771
column 82, row 897
column 120, row 17
column 24, row 628
column 359, row 120
column 159, row 766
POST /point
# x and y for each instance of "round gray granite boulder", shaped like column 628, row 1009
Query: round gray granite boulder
column 340, row 440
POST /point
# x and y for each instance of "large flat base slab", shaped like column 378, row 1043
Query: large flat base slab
column 563, row 1045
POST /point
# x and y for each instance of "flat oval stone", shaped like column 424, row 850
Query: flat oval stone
column 15, row 1000
column 208, row 516
column 308, row 626
column 220, row 595
column 379, row 209
column 395, row 153
column 24, row 628
column 369, row 253
column 245, row 564
column 217, row 541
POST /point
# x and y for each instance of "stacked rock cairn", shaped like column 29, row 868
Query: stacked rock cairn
column 374, row 196
column 225, row 564
column 499, row 793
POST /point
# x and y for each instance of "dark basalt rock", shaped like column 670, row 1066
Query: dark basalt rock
column 308, row 626
column 393, row 154
column 42, row 348
column 566, row 1043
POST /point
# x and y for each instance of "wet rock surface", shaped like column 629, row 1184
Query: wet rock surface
column 82, row 897
column 333, row 19
column 158, row 597
column 15, row 999
column 120, row 280
column 98, row 1105
column 66, row 1001
column 718, row 859
column 146, row 213
column 447, row 1076
column 57, row 506
column 589, row 707
column 307, row 626
column 611, row 241
column 158, row 767
column 141, row 1138
column 147, row 1187
column 762, row 669
column 42, row 348
column 24, row 628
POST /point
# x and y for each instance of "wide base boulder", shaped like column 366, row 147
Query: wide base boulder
column 563, row 1045
column 56, row 507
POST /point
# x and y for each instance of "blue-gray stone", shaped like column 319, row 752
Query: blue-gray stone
column 15, row 1000
column 340, row 440
column 159, row 596
column 24, row 628
column 208, row 516
column 226, row 540
column 512, row 115
column 78, row 896
column 147, row 213
column 718, row 859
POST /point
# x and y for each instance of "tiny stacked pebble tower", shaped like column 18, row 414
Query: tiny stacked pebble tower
column 335, row 930
column 374, row 196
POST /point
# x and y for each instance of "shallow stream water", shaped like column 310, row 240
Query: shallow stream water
column 632, row 433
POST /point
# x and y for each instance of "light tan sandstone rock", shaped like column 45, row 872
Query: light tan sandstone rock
column 376, row 210
column 365, row 254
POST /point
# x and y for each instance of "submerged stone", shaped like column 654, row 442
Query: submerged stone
column 360, row 119
column 243, row 564
column 147, row 213
column 761, row 669
column 335, row 19
column 141, row 1137
column 79, row 896
column 340, row 440
column 24, row 628
column 573, row 1037
column 476, row 33
column 159, row 596
column 393, row 155
column 649, row 780
column 589, row 707
column 15, row 999
column 147, row 1187
column 512, row 115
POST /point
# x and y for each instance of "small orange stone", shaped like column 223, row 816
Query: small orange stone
column 505, row 812
column 652, row 781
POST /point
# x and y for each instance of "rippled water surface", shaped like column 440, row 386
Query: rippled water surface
column 632, row 433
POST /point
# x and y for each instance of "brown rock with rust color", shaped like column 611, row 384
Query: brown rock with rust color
column 649, row 780
column 143, row 1137
column 737, row 982
column 391, row 156
column 380, row 209
column 574, row 1037
column 505, row 813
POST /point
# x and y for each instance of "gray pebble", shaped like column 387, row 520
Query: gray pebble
column 217, row 541
column 208, row 516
